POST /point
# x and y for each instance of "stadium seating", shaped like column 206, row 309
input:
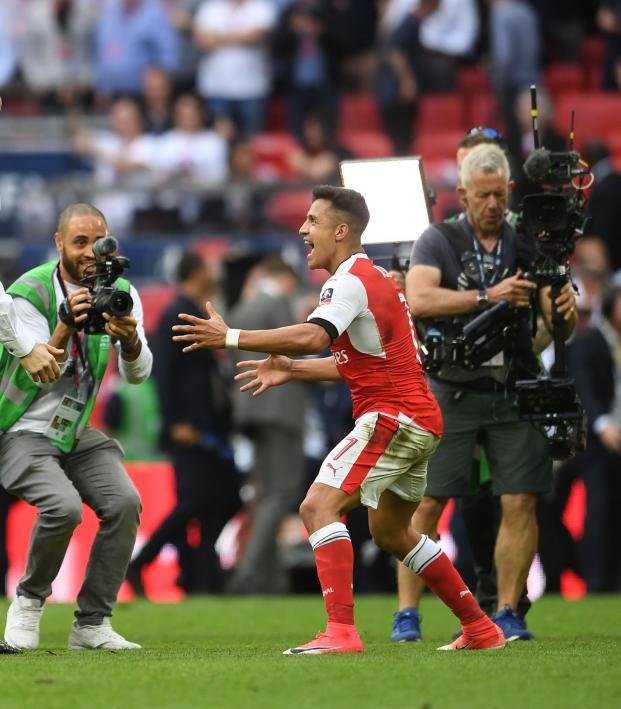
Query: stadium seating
column 592, row 62
column 437, row 145
column 597, row 115
column 358, row 111
column 288, row 209
column 472, row 81
column 366, row 143
column 271, row 153
column 438, row 113
column 481, row 110
column 563, row 78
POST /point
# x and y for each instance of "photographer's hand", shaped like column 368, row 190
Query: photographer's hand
column 123, row 329
column 515, row 289
column 610, row 436
column 79, row 304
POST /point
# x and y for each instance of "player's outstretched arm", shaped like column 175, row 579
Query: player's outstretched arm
column 198, row 333
column 277, row 370
column 41, row 363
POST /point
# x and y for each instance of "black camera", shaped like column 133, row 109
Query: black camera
column 105, row 297
column 470, row 345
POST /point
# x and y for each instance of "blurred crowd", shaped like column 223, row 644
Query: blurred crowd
column 215, row 116
column 164, row 102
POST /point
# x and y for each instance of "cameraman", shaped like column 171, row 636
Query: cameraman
column 457, row 273
column 50, row 457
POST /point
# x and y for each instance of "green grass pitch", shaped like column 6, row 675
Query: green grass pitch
column 223, row 653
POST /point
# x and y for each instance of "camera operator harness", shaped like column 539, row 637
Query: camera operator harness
column 463, row 350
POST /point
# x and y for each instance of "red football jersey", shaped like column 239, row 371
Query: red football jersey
column 375, row 345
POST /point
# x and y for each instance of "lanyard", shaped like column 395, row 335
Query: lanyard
column 489, row 263
column 76, row 347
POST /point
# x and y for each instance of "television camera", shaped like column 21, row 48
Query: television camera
column 552, row 220
column 99, row 279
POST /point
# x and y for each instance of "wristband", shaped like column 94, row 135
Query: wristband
column 130, row 347
column 231, row 339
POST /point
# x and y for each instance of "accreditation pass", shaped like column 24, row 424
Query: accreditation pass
column 65, row 419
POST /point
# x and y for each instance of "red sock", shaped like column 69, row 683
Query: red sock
column 435, row 568
column 335, row 569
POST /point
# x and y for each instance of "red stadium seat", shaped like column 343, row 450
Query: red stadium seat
column 437, row 145
column 358, row 111
column 597, row 115
column 446, row 204
column 271, row 152
column 472, row 80
column 592, row 62
column 438, row 113
column 481, row 110
column 288, row 209
column 366, row 143
column 563, row 78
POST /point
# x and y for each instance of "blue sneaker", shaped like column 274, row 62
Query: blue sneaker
column 406, row 626
column 512, row 625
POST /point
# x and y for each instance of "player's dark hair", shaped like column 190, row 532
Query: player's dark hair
column 79, row 209
column 189, row 263
column 350, row 202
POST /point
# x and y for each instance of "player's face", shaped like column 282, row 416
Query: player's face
column 75, row 245
column 487, row 197
column 319, row 232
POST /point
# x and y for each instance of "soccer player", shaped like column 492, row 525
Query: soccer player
column 382, row 464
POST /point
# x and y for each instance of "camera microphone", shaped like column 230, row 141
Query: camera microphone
column 537, row 165
column 105, row 246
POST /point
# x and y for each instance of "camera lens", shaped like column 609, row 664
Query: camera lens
column 120, row 303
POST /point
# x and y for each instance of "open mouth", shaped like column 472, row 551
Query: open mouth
column 310, row 248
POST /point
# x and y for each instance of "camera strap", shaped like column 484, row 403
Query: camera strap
column 76, row 349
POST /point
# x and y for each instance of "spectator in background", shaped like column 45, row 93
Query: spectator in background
column 196, row 423
column 191, row 152
column 181, row 14
column 604, row 205
column 307, row 55
column 318, row 157
column 396, row 89
column 156, row 100
column 122, row 157
column 56, row 50
column 591, row 273
column 448, row 33
column 234, row 74
column 190, row 156
column 608, row 21
column 131, row 36
column 8, row 46
column 515, row 58
column 275, row 425
column 594, row 359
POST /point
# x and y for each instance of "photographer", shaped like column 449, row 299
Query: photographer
column 49, row 456
column 456, row 274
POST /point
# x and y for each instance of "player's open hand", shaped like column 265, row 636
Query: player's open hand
column 199, row 333
column 41, row 363
column 264, row 373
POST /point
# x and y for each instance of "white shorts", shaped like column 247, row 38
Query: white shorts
column 381, row 453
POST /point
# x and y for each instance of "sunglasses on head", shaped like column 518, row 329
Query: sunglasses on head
column 489, row 132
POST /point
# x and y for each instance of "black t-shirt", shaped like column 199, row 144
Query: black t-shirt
column 433, row 248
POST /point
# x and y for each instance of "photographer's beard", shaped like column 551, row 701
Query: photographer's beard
column 74, row 271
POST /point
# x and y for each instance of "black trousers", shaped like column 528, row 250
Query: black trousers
column 207, row 490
